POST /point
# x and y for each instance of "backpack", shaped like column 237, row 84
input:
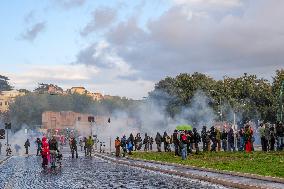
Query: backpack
column 168, row 139
column 117, row 143
column 184, row 138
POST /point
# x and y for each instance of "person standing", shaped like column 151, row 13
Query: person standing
column 203, row 138
column 45, row 152
column 124, row 145
column 213, row 139
column 267, row 137
column 280, row 136
column 146, row 142
column 158, row 141
column 81, row 144
column 90, row 144
column 74, row 147
column 168, row 141
column 138, row 142
column 130, row 145
column 189, row 146
column 131, row 139
column 165, row 142
column 184, row 143
column 242, row 139
column 231, row 139
column 117, row 145
column 224, row 138
column 39, row 144
column 85, row 145
column 218, row 139
column 272, row 138
column 248, row 134
column 27, row 145
column 151, row 143
column 176, row 142
column 261, row 131
column 53, row 147
column 196, row 139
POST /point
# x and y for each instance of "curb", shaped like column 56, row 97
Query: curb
column 245, row 175
column 5, row 159
column 186, row 175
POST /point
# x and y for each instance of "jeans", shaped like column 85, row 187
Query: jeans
column 280, row 143
column 184, row 151
column 231, row 146
column 74, row 151
column 242, row 144
column 176, row 149
column 224, row 145
column 159, row 147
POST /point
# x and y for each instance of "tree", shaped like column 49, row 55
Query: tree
column 4, row 83
column 251, row 97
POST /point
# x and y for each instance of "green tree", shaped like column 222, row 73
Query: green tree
column 4, row 83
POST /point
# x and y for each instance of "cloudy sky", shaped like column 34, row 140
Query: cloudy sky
column 123, row 47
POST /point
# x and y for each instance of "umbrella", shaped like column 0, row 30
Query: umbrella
column 184, row 127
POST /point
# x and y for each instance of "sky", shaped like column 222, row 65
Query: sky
column 124, row 47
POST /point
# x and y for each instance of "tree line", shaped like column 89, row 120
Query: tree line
column 248, row 95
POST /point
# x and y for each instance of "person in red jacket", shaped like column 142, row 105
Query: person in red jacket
column 248, row 138
column 45, row 152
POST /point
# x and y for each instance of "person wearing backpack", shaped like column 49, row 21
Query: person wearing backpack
column 129, row 146
column 124, row 145
column 117, row 145
column 168, row 141
column 158, row 141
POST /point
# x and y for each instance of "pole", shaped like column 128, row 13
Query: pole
column 221, row 112
column 7, row 137
column 234, row 119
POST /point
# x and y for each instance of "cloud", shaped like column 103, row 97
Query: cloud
column 68, row 4
column 103, row 56
column 209, row 3
column 30, row 17
column 101, row 19
column 249, row 39
column 31, row 33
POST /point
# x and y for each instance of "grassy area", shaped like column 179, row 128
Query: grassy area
column 267, row 164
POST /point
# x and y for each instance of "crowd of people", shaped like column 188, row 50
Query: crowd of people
column 214, row 139
column 182, row 142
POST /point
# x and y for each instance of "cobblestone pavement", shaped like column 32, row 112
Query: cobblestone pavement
column 26, row 172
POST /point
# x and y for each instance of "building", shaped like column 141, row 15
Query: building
column 95, row 96
column 54, row 89
column 49, row 89
column 72, row 120
column 7, row 97
column 78, row 90
column 84, row 123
